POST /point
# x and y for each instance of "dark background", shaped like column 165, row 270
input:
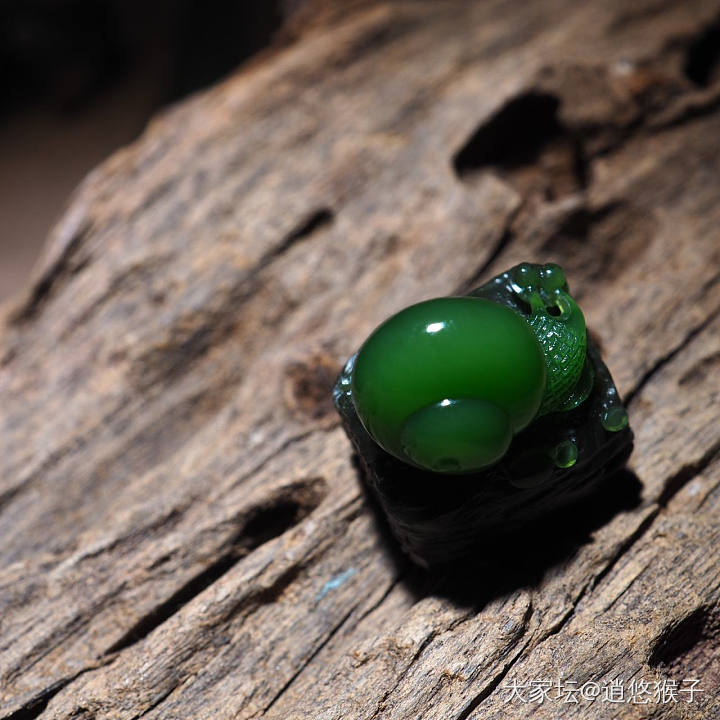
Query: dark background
column 80, row 78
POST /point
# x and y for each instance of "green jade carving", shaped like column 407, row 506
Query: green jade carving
column 446, row 384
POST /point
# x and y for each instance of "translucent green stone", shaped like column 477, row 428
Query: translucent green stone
column 559, row 325
column 565, row 454
column 615, row 418
column 473, row 416
column 454, row 435
column 446, row 383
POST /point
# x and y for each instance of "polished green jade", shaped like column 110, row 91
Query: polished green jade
column 474, row 416
column 445, row 384
column 559, row 325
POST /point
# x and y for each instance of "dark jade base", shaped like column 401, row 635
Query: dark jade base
column 440, row 519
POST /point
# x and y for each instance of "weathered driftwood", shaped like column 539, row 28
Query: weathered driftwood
column 183, row 533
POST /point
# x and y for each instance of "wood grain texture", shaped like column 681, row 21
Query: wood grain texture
column 183, row 532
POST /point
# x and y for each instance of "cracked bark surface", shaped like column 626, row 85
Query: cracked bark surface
column 183, row 532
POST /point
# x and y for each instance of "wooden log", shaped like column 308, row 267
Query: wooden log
column 183, row 532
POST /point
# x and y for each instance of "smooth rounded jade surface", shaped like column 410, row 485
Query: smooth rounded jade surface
column 446, row 383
